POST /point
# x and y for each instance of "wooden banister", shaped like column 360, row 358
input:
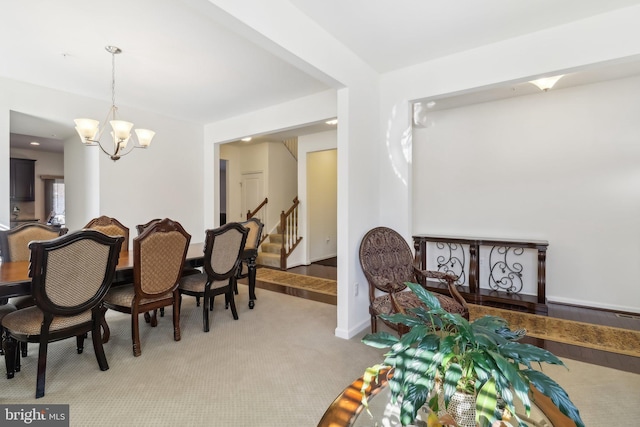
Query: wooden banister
column 289, row 230
column 251, row 214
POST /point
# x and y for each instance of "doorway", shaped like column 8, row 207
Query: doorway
column 252, row 190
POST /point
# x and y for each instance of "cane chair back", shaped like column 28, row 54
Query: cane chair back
column 70, row 277
column 110, row 227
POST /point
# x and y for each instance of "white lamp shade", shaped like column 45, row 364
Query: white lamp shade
column 121, row 129
column 546, row 83
column 144, row 137
column 119, row 144
column 87, row 129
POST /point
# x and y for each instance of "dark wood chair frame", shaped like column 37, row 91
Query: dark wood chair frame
column 393, row 289
column 163, row 226
column 5, row 235
column 38, row 271
column 106, row 221
column 248, row 259
column 209, row 294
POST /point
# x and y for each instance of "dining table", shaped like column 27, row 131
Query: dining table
column 15, row 280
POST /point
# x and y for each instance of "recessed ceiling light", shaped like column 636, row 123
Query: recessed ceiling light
column 34, row 143
column 431, row 104
column 332, row 122
column 247, row 139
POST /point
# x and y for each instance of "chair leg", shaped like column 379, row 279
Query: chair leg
column 23, row 348
column 98, row 347
column 197, row 301
column 11, row 354
column 80, row 342
column 176, row 320
column 161, row 311
column 232, row 302
column 205, row 313
column 106, row 332
column 135, row 333
column 42, row 368
column 211, row 304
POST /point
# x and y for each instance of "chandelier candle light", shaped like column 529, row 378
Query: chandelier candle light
column 91, row 133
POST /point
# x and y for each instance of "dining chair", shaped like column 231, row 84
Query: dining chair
column 187, row 270
column 70, row 275
column 223, row 248
column 158, row 259
column 110, row 227
column 388, row 263
column 14, row 246
column 249, row 256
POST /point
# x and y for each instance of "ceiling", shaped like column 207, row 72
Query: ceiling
column 179, row 60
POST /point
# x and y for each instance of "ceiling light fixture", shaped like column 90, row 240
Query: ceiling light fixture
column 546, row 83
column 247, row 139
column 91, row 133
column 34, row 143
column 332, row 122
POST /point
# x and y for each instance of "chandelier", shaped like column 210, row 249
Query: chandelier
column 90, row 131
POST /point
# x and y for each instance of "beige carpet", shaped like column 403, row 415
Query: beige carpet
column 299, row 281
column 278, row 365
column 615, row 340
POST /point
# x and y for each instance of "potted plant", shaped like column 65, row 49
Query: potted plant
column 444, row 354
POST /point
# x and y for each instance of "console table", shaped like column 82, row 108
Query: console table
column 502, row 292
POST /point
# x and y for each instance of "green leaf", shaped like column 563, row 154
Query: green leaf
column 557, row 394
column 428, row 298
column 512, row 374
column 370, row 374
column 527, row 353
column 413, row 399
column 451, row 377
column 403, row 319
column 380, row 340
column 486, row 402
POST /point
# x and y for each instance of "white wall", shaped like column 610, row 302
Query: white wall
column 164, row 180
column 322, row 186
column 562, row 166
column 308, row 144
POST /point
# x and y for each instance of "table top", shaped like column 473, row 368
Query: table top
column 15, row 280
column 347, row 409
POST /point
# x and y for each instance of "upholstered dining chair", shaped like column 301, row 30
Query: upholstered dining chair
column 247, row 265
column 388, row 263
column 187, row 270
column 158, row 259
column 110, row 227
column 70, row 277
column 14, row 246
column 223, row 248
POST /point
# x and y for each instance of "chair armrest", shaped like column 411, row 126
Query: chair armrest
column 397, row 308
column 449, row 278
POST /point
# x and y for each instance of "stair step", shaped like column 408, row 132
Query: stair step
column 276, row 238
column 268, row 259
column 272, row 248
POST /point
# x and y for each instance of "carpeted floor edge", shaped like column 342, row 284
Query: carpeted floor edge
column 597, row 337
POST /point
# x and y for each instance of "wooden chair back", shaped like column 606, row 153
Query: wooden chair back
column 255, row 232
column 110, row 227
column 14, row 243
column 223, row 250
column 159, row 254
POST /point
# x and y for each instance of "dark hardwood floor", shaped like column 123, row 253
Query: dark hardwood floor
column 327, row 269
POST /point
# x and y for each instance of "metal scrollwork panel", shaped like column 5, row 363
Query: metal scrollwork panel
column 451, row 259
column 506, row 272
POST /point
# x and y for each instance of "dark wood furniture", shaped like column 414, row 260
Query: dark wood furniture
column 249, row 257
column 159, row 255
column 223, row 248
column 347, row 407
column 388, row 263
column 62, row 298
column 22, row 180
column 502, row 292
column 110, row 227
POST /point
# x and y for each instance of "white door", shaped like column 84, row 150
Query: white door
column 253, row 194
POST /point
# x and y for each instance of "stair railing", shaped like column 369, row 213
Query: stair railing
column 289, row 230
column 251, row 214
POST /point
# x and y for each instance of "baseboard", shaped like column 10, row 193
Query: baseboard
column 347, row 334
column 592, row 305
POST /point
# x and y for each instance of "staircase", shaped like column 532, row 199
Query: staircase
column 269, row 254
